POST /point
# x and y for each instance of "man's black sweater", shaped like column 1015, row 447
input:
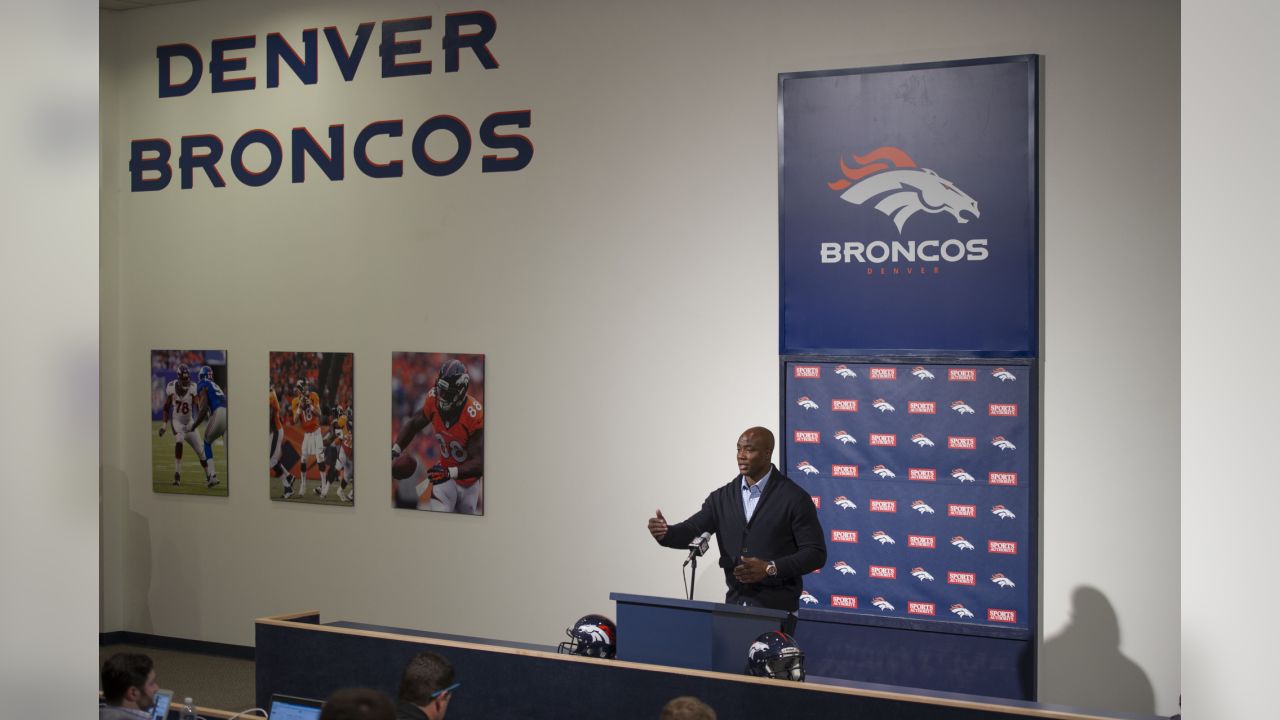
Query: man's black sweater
column 784, row 528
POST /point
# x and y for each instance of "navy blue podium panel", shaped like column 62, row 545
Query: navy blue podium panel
column 950, row 657
column 689, row 633
column 298, row 655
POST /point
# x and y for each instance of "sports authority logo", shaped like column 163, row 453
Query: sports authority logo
column 807, row 598
column 921, row 608
column 1001, row 443
column 1002, row 409
column 882, row 572
column 922, row 407
column 884, row 472
column 955, row 442
column 961, row 611
column 922, row 507
column 1002, row 547
column 960, row 407
column 962, row 374
column 807, row 468
column 845, row 471
column 883, row 440
column 882, row 405
column 817, row 501
column 807, row 371
column 963, row 511
column 922, row 440
column 889, row 177
column 844, row 568
column 842, row 405
column 1002, row 512
column 961, row 578
column 921, row 373
column 881, row 603
column 844, row 536
column 923, row 474
column 844, row 601
column 808, row 436
column 884, row 506
column 962, row 476
column 844, row 437
column 883, row 538
column 1002, row 616
column 804, row 402
column 922, row 542
column 1001, row 580
column 844, row 372
column 921, row 574
column 883, row 373
column 845, row 503
column 1003, row 375
column 961, row 543
column 1002, row 478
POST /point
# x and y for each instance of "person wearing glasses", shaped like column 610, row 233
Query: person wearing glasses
column 425, row 688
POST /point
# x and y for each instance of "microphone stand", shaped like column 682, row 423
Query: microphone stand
column 693, row 579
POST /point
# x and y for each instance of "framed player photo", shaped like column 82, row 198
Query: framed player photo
column 311, row 427
column 437, row 432
column 189, row 422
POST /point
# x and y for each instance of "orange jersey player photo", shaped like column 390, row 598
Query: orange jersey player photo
column 311, row 416
column 438, row 449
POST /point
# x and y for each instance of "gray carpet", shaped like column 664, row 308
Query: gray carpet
column 210, row 680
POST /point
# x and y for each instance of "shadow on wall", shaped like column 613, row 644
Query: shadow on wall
column 1083, row 666
column 135, row 549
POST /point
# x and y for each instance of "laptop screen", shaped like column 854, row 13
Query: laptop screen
column 160, row 709
column 284, row 707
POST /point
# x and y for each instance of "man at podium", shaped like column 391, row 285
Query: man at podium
column 765, row 525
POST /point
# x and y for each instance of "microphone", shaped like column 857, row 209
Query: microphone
column 698, row 547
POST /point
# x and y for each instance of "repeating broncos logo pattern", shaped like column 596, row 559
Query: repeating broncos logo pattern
column 899, row 188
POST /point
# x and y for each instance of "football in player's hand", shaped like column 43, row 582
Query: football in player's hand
column 403, row 467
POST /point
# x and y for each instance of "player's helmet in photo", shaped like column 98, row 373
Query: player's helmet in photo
column 184, row 375
column 451, row 386
column 592, row 636
column 775, row 655
column 206, row 373
column 301, row 387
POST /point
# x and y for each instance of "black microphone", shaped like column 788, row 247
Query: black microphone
column 698, row 547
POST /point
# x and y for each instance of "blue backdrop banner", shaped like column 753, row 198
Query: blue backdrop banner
column 923, row 476
column 908, row 209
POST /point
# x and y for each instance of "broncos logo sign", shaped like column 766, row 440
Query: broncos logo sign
column 922, row 507
column 846, row 503
column 882, row 537
column 921, row 373
column 1001, row 443
column 844, row 437
column 960, row 407
column 1002, row 375
column 961, row 543
column 881, row 603
column 844, row 568
column 844, row 372
column 882, row 405
column 1002, row 512
column 807, row 468
column 921, row 440
column 1001, row 580
column 807, row 598
column 900, row 189
column 806, row 403
column 922, row 574
column 883, row 472
column 961, row 611
column 962, row 476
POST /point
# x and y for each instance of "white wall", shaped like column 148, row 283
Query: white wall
column 49, row 383
column 624, row 290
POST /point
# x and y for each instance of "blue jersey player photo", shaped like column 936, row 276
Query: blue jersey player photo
column 189, row 422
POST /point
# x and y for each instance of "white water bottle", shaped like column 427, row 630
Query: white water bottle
column 188, row 710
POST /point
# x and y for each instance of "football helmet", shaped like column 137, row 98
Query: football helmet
column 775, row 655
column 300, row 387
column 206, row 373
column 592, row 636
column 451, row 387
column 184, row 375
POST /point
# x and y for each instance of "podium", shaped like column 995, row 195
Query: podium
column 691, row 634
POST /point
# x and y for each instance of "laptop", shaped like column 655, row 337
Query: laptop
column 160, row 708
column 287, row 707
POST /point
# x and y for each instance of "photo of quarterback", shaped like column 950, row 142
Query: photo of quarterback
column 189, row 422
column 311, row 428
column 437, row 432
